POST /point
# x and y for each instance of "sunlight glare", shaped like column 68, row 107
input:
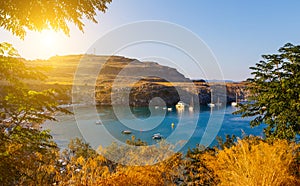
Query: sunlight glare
column 48, row 39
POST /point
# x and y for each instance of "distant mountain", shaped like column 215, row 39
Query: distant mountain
column 218, row 81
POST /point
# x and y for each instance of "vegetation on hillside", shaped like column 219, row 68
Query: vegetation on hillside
column 36, row 160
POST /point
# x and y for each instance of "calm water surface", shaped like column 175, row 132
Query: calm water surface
column 190, row 127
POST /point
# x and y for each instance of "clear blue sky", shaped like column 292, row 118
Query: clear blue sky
column 238, row 32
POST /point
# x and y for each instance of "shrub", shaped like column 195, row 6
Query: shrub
column 255, row 162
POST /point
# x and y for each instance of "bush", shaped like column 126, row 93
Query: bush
column 255, row 162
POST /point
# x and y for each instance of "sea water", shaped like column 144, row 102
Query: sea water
column 182, row 128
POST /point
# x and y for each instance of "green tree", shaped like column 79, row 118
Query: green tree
column 197, row 171
column 17, row 16
column 229, row 141
column 275, row 94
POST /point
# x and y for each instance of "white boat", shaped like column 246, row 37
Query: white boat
column 126, row 132
column 156, row 107
column 157, row 136
column 191, row 106
column 169, row 109
column 98, row 122
column 180, row 105
column 234, row 104
column 211, row 104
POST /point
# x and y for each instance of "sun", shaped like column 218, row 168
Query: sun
column 48, row 39
column 46, row 43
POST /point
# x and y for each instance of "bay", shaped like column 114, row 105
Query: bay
column 182, row 128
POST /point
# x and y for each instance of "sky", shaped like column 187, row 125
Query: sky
column 236, row 32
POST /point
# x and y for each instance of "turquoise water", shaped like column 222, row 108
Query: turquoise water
column 200, row 126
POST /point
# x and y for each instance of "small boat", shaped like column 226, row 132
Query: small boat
column 156, row 107
column 99, row 122
column 180, row 105
column 126, row 132
column 157, row 136
column 234, row 104
column 169, row 109
column 191, row 106
column 211, row 104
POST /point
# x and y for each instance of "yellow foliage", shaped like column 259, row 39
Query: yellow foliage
column 137, row 155
column 135, row 175
column 98, row 170
column 251, row 163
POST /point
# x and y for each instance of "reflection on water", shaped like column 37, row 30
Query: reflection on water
column 185, row 126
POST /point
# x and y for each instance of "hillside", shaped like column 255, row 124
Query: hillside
column 119, row 76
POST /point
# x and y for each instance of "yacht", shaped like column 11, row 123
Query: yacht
column 234, row 104
column 98, row 122
column 180, row 105
column 157, row 136
column 191, row 106
column 211, row 104
column 126, row 132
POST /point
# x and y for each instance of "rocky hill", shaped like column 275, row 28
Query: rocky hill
column 123, row 81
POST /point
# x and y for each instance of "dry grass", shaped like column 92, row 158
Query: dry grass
column 252, row 164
